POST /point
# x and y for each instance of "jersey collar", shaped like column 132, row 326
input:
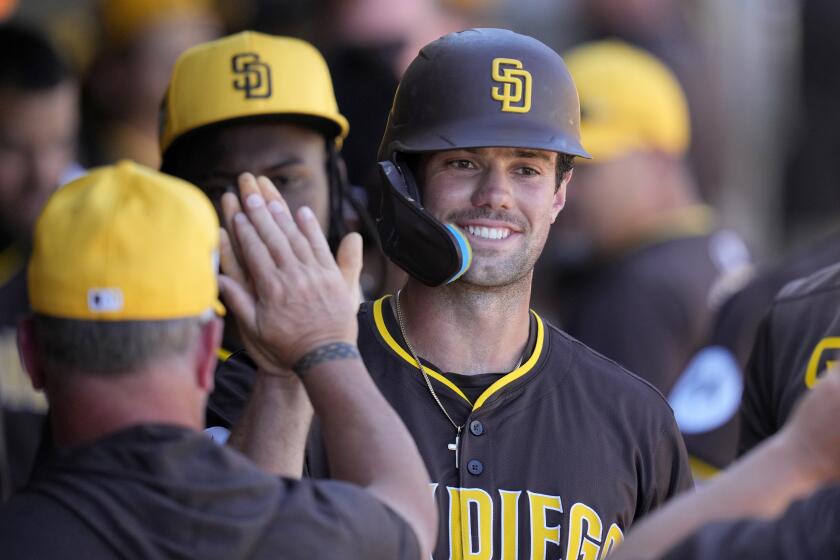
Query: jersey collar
column 383, row 315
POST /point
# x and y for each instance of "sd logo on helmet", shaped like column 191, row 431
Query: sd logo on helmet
column 516, row 92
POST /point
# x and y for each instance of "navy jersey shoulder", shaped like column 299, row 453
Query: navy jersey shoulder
column 606, row 370
column 796, row 343
column 824, row 280
column 738, row 320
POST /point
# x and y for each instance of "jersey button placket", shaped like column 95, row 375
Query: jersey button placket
column 475, row 467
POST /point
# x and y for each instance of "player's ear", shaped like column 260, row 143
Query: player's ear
column 27, row 349
column 206, row 352
column 560, row 195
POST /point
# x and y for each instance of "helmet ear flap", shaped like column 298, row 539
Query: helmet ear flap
column 408, row 169
column 432, row 252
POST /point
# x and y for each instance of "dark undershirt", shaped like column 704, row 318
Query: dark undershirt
column 472, row 385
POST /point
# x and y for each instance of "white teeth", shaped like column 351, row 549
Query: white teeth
column 489, row 233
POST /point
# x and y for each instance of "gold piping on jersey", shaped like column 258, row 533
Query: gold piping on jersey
column 527, row 366
column 386, row 336
column 223, row 354
column 701, row 469
column 518, row 372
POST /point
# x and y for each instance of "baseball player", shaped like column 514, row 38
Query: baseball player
column 256, row 103
column 537, row 446
column 798, row 340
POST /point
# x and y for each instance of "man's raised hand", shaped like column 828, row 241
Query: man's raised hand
column 288, row 293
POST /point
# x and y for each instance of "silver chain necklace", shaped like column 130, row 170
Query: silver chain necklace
column 401, row 323
column 454, row 445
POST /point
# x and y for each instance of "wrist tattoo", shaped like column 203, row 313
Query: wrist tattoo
column 325, row 353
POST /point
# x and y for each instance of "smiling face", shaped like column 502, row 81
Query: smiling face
column 504, row 199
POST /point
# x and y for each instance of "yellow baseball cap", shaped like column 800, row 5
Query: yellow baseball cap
column 250, row 74
column 123, row 20
column 125, row 243
column 629, row 101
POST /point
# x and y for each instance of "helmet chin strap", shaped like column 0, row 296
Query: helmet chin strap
column 338, row 190
column 430, row 251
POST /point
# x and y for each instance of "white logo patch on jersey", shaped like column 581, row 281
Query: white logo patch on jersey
column 708, row 393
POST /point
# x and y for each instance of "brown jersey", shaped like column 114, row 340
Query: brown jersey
column 556, row 459
column 713, row 441
column 797, row 342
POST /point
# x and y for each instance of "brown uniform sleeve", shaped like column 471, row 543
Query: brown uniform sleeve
column 673, row 472
column 663, row 467
column 757, row 416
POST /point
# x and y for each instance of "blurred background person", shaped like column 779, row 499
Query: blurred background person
column 663, row 28
column 741, row 329
column 643, row 251
column 740, row 340
column 39, row 119
column 644, row 258
column 140, row 41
